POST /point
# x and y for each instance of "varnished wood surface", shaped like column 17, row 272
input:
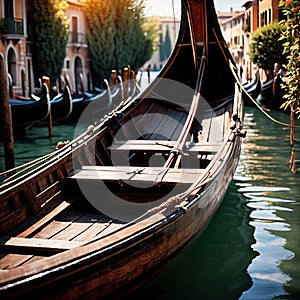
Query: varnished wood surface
column 56, row 245
column 138, row 174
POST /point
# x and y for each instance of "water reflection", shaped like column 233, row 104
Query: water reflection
column 272, row 191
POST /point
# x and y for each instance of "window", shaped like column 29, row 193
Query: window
column 74, row 29
column 9, row 9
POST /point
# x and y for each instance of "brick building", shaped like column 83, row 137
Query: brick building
column 255, row 13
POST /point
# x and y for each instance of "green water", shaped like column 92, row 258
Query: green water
column 251, row 248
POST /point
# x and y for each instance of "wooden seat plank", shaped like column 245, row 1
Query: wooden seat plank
column 153, row 146
column 143, row 145
column 203, row 148
column 38, row 244
column 137, row 174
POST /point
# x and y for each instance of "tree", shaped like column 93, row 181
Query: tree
column 266, row 49
column 48, row 33
column 100, row 37
column 161, row 47
column 118, row 36
column 167, row 43
column 291, row 38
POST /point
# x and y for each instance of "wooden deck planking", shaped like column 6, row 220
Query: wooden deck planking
column 59, row 224
column 203, row 148
column 11, row 261
column 95, row 229
column 46, row 219
column 176, row 132
column 71, row 231
column 168, row 125
column 143, row 145
column 113, row 226
column 81, row 226
column 33, row 259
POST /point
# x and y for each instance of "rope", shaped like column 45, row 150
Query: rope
column 256, row 104
column 27, row 165
column 232, row 68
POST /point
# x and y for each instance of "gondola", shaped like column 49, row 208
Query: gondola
column 96, row 106
column 29, row 112
column 253, row 89
column 61, row 105
column 271, row 95
column 115, row 205
column 101, row 100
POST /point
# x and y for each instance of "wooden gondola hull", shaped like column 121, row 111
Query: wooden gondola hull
column 110, row 271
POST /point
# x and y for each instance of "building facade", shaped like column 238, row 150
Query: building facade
column 77, row 64
column 238, row 27
column 13, row 41
column 232, row 28
column 16, row 48
column 166, row 24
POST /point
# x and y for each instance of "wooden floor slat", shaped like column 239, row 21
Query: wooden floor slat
column 11, row 261
column 46, row 219
column 59, row 224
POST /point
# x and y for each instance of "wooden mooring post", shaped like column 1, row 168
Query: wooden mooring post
column 6, row 118
column 46, row 80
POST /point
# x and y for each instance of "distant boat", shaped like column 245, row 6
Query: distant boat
column 119, row 202
column 253, row 88
column 97, row 105
column 271, row 93
column 62, row 105
column 28, row 112
column 102, row 101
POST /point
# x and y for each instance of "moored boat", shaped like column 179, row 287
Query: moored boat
column 122, row 199
column 61, row 105
column 102, row 102
column 253, row 89
column 29, row 112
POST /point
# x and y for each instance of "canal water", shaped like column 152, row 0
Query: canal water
column 251, row 248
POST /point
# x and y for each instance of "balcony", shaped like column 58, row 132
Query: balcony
column 11, row 28
column 77, row 39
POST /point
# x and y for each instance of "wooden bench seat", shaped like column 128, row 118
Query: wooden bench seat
column 143, row 145
column 161, row 146
column 136, row 174
column 203, row 148
column 36, row 244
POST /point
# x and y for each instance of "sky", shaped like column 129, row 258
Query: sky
column 164, row 7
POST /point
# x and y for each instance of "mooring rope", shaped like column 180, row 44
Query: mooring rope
column 233, row 68
column 26, row 166
column 256, row 104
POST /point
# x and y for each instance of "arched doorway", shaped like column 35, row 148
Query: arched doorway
column 78, row 72
column 12, row 65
